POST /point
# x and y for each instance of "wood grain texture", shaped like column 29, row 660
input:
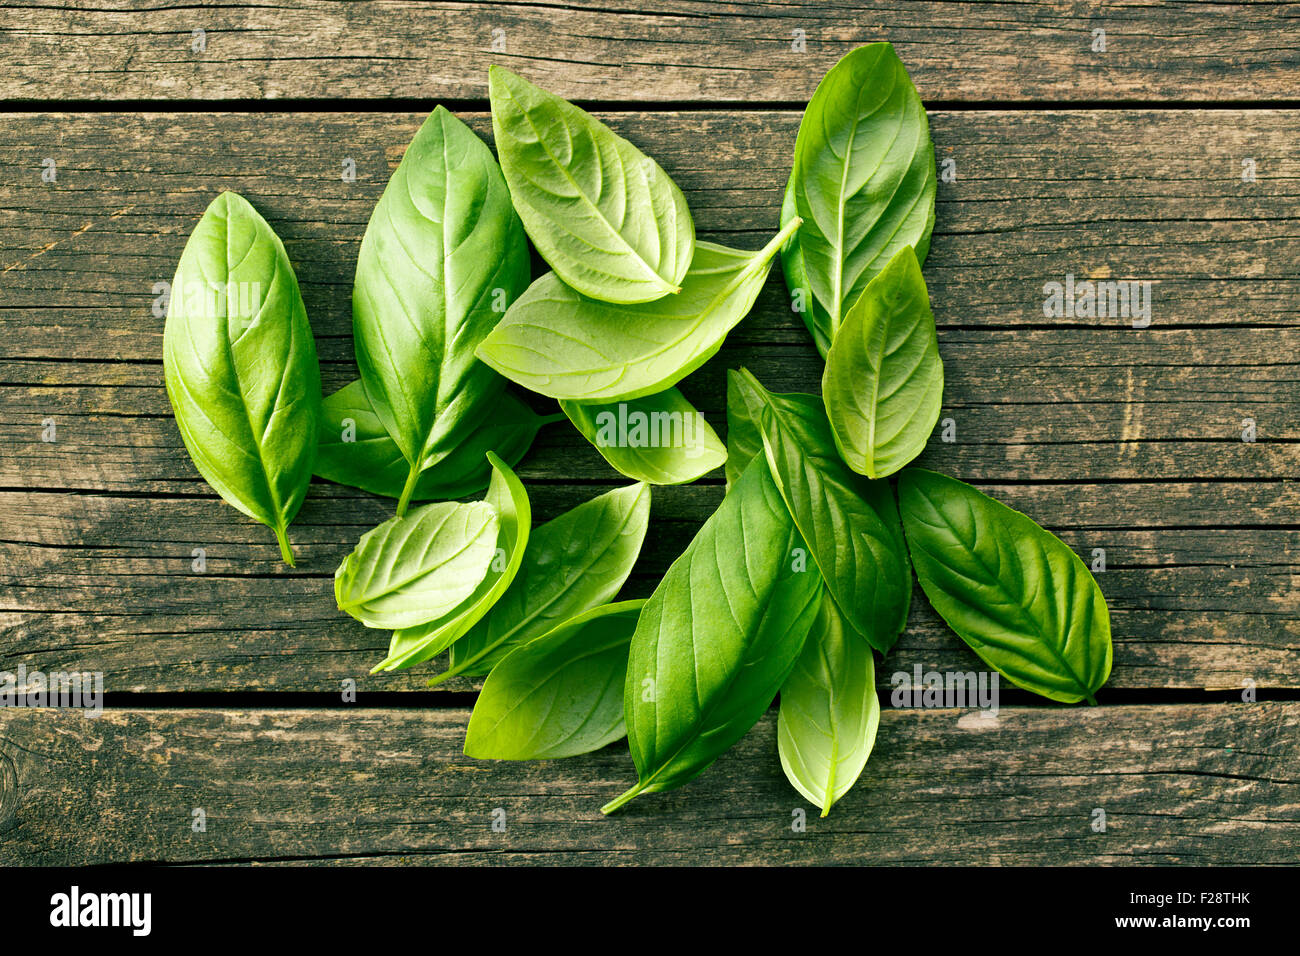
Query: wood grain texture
column 1118, row 438
column 1029, row 406
column 1140, row 195
column 638, row 50
column 105, row 583
column 1122, row 438
column 1179, row 785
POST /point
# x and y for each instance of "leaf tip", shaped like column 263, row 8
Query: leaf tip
column 484, row 353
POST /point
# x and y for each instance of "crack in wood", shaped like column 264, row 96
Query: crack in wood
column 22, row 263
column 8, row 792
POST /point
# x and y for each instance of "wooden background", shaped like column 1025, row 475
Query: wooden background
column 225, row 687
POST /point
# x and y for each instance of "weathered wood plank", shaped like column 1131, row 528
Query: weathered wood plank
column 639, row 51
column 1178, row 784
column 1136, row 431
column 106, row 584
column 1154, row 196
column 1074, row 405
column 1201, row 575
column 1092, row 194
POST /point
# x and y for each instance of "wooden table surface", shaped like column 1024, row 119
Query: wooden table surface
column 225, row 687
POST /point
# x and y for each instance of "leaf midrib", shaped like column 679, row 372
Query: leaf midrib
column 393, row 587
column 721, row 694
column 528, row 619
column 656, row 278
column 263, row 471
column 757, row 261
column 554, row 670
column 1022, row 611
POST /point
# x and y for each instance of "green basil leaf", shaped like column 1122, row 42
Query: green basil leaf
column 744, row 439
column 567, row 346
column 416, row 644
column 240, row 365
column 802, row 302
column 355, row 450
column 851, row 525
column 605, row 216
column 572, row 564
column 660, row 439
column 883, row 383
column 560, row 694
column 1023, row 601
column 415, row 568
column 863, row 179
column 443, row 257
column 718, row 637
column 829, row 711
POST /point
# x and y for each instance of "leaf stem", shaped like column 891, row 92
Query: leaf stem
column 779, row 239
column 286, row 550
column 449, row 672
column 1091, row 699
column 618, row 802
column 408, row 489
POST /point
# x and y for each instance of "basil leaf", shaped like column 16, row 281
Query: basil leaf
column 567, row 346
column 412, row 569
column 863, row 180
column 560, row 694
column 850, row 524
column 1023, row 601
column 718, row 637
column 572, row 564
column 744, row 439
column 443, row 256
column 240, row 365
column 604, row 216
column 355, row 450
column 829, row 711
column 883, row 383
column 802, row 302
column 416, row 644
column 660, row 439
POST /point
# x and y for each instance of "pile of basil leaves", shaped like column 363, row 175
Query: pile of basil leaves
column 806, row 567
